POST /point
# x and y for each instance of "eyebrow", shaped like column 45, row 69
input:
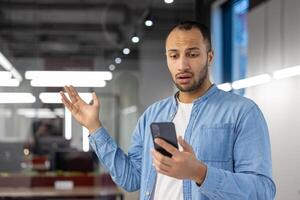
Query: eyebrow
column 193, row 48
column 172, row 50
column 188, row 49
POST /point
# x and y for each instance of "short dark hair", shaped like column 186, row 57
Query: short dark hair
column 188, row 25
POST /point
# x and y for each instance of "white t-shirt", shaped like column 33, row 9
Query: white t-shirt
column 167, row 187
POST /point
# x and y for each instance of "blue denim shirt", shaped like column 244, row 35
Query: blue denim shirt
column 227, row 132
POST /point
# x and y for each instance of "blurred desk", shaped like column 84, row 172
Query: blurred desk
column 41, row 186
column 98, row 192
column 48, row 180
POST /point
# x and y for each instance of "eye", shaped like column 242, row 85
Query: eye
column 193, row 54
column 173, row 56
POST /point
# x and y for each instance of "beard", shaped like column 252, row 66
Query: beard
column 197, row 81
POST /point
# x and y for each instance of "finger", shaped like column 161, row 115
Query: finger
column 168, row 147
column 66, row 102
column 161, row 166
column 95, row 100
column 161, row 158
column 161, row 171
column 71, row 95
column 74, row 93
column 185, row 145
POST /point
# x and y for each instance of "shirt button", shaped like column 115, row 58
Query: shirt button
column 147, row 193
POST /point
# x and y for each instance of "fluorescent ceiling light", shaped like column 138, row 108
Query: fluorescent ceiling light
column 36, row 113
column 12, row 97
column 16, row 74
column 54, row 97
column 68, row 124
column 59, row 112
column 5, row 63
column 252, row 81
column 225, row 86
column 130, row 109
column 85, row 140
column 70, row 75
column 62, row 78
column 287, row 72
column 53, row 82
column 5, row 75
column 8, row 67
column 9, row 83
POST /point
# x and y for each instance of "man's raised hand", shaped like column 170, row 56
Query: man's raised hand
column 86, row 114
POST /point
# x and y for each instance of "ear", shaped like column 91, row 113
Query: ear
column 210, row 57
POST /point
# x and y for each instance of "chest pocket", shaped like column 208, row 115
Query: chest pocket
column 214, row 144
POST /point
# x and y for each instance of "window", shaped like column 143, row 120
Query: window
column 230, row 40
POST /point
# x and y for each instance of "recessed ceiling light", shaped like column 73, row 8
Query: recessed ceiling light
column 126, row 51
column 118, row 60
column 148, row 22
column 112, row 67
column 169, row 1
column 135, row 39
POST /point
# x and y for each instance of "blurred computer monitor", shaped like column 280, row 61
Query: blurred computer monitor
column 75, row 161
column 11, row 156
column 47, row 145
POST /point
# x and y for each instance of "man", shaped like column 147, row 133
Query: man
column 225, row 153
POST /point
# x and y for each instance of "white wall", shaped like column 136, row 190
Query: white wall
column 270, row 50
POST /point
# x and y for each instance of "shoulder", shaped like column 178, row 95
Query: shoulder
column 159, row 105
column 232, row 99
column 234, row 104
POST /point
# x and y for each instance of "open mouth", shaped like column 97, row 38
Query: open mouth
column 184, row 78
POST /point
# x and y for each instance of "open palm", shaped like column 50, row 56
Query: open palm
column 86, row 114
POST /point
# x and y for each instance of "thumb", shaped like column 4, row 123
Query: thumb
column 95, row 100
column 185, row 145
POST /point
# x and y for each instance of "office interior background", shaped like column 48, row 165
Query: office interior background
column 118, row 48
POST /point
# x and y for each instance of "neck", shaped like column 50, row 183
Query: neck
column 189, row 97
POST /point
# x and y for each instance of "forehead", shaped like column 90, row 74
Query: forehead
column 181, row 39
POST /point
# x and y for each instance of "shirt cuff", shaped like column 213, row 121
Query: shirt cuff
column 211, row 182
column 99, row 137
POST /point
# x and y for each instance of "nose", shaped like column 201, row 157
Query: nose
column 183, row 63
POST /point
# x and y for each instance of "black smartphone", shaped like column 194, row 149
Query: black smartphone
column 165, row 131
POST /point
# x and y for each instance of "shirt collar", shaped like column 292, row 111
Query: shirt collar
column 205, row 96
